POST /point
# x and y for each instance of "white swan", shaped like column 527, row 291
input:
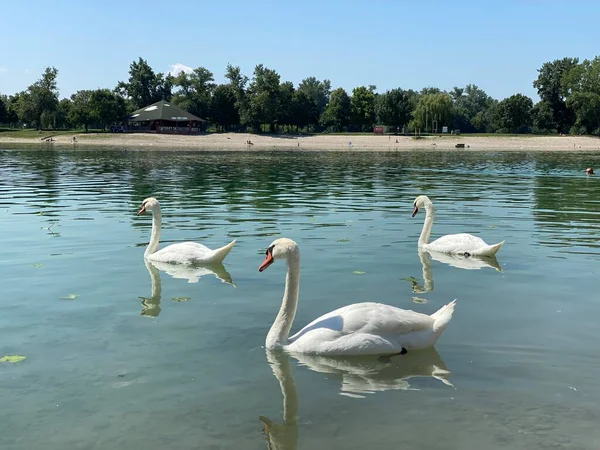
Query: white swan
column 461, row 244
column 183, row 252
column 358, row 329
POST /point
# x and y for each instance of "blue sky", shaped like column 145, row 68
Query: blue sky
column 496, row 45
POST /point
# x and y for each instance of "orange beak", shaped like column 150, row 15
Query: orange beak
column 415, row 212
column 267, row 262
column 142, row 210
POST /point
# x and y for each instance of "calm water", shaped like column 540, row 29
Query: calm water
column 140, row 359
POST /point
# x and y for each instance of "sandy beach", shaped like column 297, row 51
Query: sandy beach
column 237, row 141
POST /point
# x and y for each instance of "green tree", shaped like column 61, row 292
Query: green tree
column 263, row 99
column 582, row 87
column 550, row 87
column 3, row 107
column 12, row 109
column 319, row 92
column 63, row 110
column 337, row 113
column 515, row 114
column 433, row 111
column 41, row 98
column 223, row 110
column 304, row 110
column 542, row 117
column 238, row 82
column 106, row 107
column 470, row 105
column 285, row 105
column 144, row 86
column 394, row 108
column 195, row 91
column 81, row 109
column 362, row 107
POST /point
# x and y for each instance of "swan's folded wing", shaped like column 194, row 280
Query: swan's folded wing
column 369, row 318
column 182, row 252
column 457, row 242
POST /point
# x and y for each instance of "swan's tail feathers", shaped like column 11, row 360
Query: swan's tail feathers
column 222, row 252
column 442, row 317
column 494, row 248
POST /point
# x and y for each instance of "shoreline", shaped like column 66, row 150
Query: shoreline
column 321, row 142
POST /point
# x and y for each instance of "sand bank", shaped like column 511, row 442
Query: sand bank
column 238, row 141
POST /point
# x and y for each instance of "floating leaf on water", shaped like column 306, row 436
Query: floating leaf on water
column 38, row 265
column 70, row 297
column 419, row 300
column 41, row 213
column 343, row 240
column 12, row 358
column 492, row 226
column 410, row 279
column 358, row 272
column 180, row 299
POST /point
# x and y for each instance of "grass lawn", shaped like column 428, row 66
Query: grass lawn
column 29, row 133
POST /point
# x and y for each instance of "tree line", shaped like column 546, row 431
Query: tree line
column 569, row 93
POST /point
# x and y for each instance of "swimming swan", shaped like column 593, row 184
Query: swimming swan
column 183, row 252
column 358, row 329
column 461, row 244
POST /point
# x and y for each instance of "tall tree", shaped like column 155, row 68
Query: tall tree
column 470, row 103
column 550, row 87
column 319, row 92
column 433, row 111
column 337, row 113
column 304, row 110
column 81, row 109
column 263, row 98
column 393, row 108
column 107, row 107
column 582, row 87
column 39, row 98
column 515, row 113
column 362, row 107
column 238, row 82
column 3, row 108
column 223, row 111
column 542, row 118
column 195, row 91
column 144, row 86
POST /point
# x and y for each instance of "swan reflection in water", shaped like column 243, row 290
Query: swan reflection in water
column 151, row 305
column 458, row 261
column 358, row 375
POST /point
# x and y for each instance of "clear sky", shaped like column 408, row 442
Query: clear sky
column 497, row 45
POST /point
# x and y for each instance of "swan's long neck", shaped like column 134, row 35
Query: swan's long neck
column 280, row 330
column 427, row 225
column 155, row 235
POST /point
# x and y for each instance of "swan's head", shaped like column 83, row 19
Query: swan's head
column 422, row 201
column 148, row 205
column 282, row 248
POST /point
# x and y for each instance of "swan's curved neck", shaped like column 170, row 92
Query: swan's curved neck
column 427, row 225
column 280, row 330
column 155, row 235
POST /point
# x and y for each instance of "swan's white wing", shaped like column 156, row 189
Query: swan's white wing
column 183, row 252
column 362, row 328
column 456, row 243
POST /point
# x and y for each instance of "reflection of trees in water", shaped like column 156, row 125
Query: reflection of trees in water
column 217, row 182
column 568, row 208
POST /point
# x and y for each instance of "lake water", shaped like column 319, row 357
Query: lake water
column 122, row 356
